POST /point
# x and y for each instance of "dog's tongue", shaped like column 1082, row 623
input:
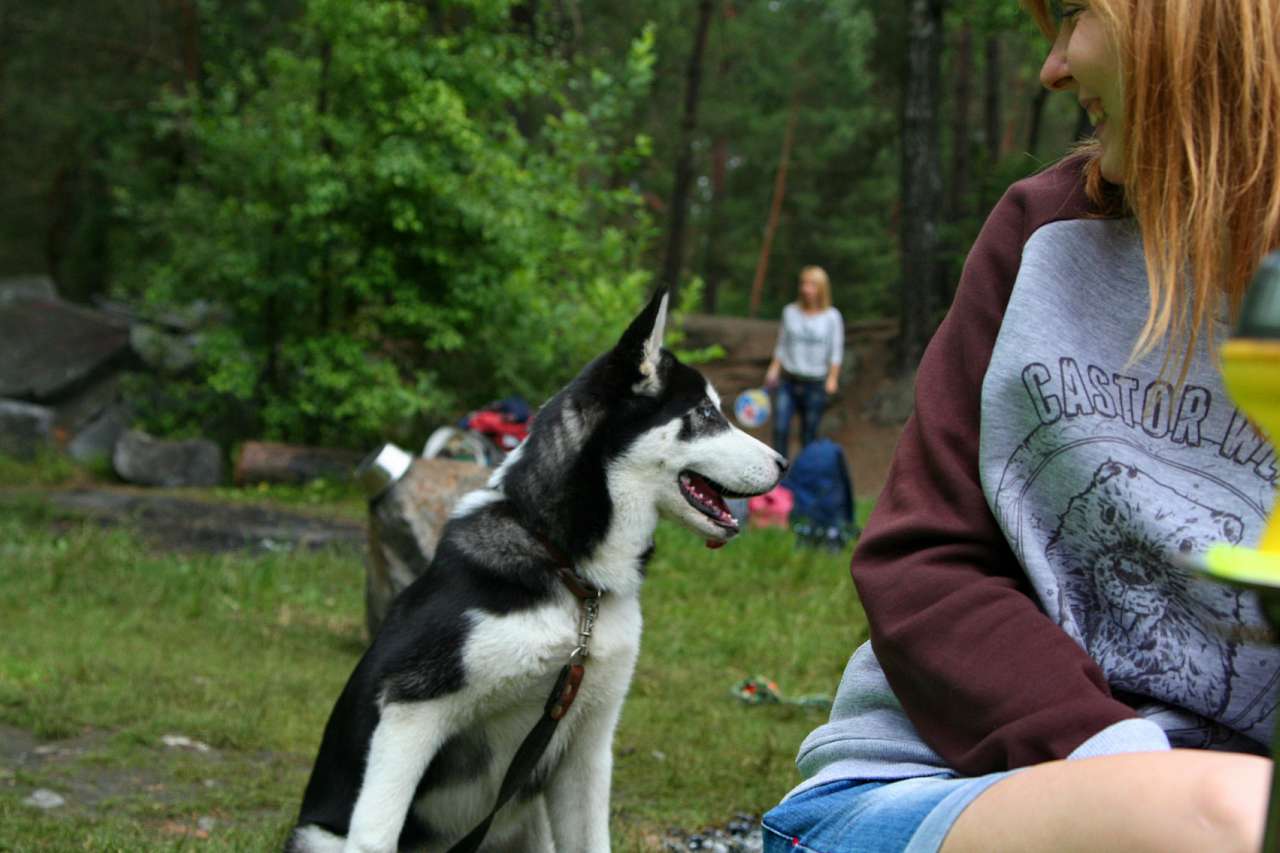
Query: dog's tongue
column 715, row 543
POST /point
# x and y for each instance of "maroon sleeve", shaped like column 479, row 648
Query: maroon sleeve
column 989, row 681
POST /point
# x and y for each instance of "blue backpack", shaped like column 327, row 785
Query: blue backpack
column 824, row 508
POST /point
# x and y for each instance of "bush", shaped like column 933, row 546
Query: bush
column 400, row 217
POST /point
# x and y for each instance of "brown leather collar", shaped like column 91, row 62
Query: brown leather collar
column 577, row 585
column 573, row 581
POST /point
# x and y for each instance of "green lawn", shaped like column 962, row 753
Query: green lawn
column 107, row 647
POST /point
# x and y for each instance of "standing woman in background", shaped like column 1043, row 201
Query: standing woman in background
column 806, row 360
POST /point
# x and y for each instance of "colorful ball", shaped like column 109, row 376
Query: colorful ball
column 752, row 408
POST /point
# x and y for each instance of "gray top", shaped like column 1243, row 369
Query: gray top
column 809, row 344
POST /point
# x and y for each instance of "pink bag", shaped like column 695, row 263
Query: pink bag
column 772, row 508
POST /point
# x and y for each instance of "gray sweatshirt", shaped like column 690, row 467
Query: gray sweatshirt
column 1021, row 572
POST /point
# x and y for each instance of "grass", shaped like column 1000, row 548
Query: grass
column 107, row 647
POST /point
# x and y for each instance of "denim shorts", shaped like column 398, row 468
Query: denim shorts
column 854, row 816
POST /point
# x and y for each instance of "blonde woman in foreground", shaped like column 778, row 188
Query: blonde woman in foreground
column 1041, row 674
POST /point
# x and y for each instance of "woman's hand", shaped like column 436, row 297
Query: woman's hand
column 771, row 377
column 831, row 385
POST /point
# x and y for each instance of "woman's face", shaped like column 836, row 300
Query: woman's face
column 809, row 290
column 1084, row 59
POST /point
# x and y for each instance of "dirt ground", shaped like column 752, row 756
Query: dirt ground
column 174, row 522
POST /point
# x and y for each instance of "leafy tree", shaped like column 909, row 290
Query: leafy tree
column 386, row 243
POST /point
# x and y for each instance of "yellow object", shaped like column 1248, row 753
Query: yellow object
column 1243, row 566
column 1251, row 371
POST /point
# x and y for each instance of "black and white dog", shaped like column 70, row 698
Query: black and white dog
column 420, row 739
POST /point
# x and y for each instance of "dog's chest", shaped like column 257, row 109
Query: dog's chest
column 506, row 653
column 512, row 661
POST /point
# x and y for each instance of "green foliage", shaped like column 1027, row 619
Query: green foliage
column 399, row 217
column 49, row 468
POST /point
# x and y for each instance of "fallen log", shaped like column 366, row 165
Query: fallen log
column 272, row 462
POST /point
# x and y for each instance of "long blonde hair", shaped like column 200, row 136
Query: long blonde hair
column 824, row 287
column 1201, row 82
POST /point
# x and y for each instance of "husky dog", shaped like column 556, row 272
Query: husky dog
column 419, row 741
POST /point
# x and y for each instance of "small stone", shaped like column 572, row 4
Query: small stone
column 25, row 429
column 184, row 742
column 43, row 798
column 659, row 755
column 206, row 824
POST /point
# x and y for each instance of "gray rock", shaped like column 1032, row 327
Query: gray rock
column 140, row 458
column 45, row 799
column 73, row 412
column 27, row 287
column 200, row 314
column 97, row 440
column 25, row 428
column 405, row 524
column 48, row 346
column 161, row 351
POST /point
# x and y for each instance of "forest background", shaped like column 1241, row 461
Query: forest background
column 383, row 212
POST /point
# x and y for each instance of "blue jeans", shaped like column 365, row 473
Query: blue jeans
column 806, row 397
column 854, row 816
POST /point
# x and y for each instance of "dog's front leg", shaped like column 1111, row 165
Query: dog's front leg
column 578, row 792
column 407, row 737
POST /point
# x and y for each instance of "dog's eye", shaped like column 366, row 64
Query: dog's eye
column 707, row 409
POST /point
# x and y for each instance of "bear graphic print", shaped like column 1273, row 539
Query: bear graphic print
column 1155, row 628
column 1103, row 501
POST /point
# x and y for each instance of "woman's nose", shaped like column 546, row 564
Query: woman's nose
column 1054, row 73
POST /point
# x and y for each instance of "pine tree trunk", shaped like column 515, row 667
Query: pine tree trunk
column 921, row 181
column 961, row 162
column 678, row 210
column 1037, row 118
column 189, row 29
column 775, row 207
column 991, row 106
column 962, row 94
column 712, row 262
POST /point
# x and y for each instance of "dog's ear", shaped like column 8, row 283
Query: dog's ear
column 639, row 351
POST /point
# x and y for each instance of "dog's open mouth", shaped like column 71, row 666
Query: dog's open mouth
column 707, row 497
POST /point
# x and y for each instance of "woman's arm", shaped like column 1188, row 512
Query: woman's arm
column 774, row 371
column 837, row 352
column 771, row 375
column 833, row 378
column 989, row 681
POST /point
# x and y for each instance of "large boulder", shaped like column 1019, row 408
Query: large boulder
column 405, row 525
column 140, row 458
column 49, row 347
column 25, row 428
